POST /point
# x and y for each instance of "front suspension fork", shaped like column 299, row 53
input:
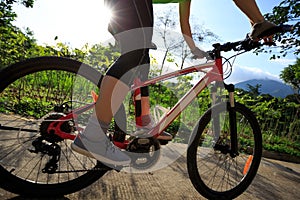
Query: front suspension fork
column 232, row 122
column 232, row 117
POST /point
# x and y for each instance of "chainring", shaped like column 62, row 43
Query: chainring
column 144, row 152
column 51, row 137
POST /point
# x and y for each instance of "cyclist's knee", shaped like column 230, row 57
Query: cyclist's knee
column 130, row 65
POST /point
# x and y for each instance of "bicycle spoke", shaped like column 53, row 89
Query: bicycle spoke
column 17, row 129
column 83, row 163
column 215, row 168
column 33, row 168
column 42, row 91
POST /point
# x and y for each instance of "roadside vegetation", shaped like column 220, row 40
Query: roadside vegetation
column 279, row 117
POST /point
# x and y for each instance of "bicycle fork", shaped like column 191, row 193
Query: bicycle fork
column 232, row 121
column 233, row 148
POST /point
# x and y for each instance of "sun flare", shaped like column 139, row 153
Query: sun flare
column 105, row 14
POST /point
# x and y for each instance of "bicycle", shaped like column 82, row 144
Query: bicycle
column 224, row 150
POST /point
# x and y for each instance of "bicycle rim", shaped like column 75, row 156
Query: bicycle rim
column 30, row 91
column 214, row 173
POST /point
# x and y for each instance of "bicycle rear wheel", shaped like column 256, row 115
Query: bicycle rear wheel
column 213, row 171
column 29, row 93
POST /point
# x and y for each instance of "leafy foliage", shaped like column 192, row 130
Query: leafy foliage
column 173, row 43
column 288, row 11
column 14, row 43
column 279, row 118
column 291, row 75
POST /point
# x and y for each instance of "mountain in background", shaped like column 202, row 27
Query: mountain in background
column 272, row 87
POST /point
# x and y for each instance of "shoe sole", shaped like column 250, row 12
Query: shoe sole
column 166, row 138
column 100, row 158
column 80, row 150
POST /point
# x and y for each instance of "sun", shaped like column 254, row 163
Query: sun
column 105, row 14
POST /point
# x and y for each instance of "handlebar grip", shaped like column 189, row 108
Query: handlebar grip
column 248, row 44
column 277, row 29
column 286, row 28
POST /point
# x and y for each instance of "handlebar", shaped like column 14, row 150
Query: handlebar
column 247, row 44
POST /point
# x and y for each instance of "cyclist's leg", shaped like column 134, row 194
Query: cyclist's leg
column 133, row 41
column 141, row 100
column 144, row 120
column 114, row 87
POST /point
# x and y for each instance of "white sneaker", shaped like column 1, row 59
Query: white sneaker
column 144, row 132
column 104, row 151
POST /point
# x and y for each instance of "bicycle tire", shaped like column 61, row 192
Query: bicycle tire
column 207, row 163
column 55, row 184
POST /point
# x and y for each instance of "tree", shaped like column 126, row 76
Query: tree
column 254, row 90
column 101, row 57
column 6, row 13
column 172, row 42
column 18, row 45
column 291, row 75
column 287, row 12
column 13, row 42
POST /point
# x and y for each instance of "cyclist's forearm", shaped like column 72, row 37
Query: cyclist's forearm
column 250, row 9
column 184, row 14
column 186, row 31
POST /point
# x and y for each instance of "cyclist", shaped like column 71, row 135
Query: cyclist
column 132, row 26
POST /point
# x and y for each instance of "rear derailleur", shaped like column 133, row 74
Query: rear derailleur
column 53, row 150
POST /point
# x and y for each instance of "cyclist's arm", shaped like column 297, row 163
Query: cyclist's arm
column 184, row 15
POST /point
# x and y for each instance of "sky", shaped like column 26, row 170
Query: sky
column 78, row 22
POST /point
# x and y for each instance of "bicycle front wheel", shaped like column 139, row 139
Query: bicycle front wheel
column 213, row 170
column 33, row 94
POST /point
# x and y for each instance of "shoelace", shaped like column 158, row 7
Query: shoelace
column 110, row 145
column 140, row 131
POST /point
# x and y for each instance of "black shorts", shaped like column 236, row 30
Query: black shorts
column 132, row 26
column 130, row 14
column 131, row 65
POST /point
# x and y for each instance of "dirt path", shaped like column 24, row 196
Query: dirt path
column 275, row 180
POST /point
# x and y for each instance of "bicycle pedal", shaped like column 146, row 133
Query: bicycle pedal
column 164, row 142
column 143, row 141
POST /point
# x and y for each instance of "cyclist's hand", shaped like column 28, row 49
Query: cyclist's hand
column 199, row 54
